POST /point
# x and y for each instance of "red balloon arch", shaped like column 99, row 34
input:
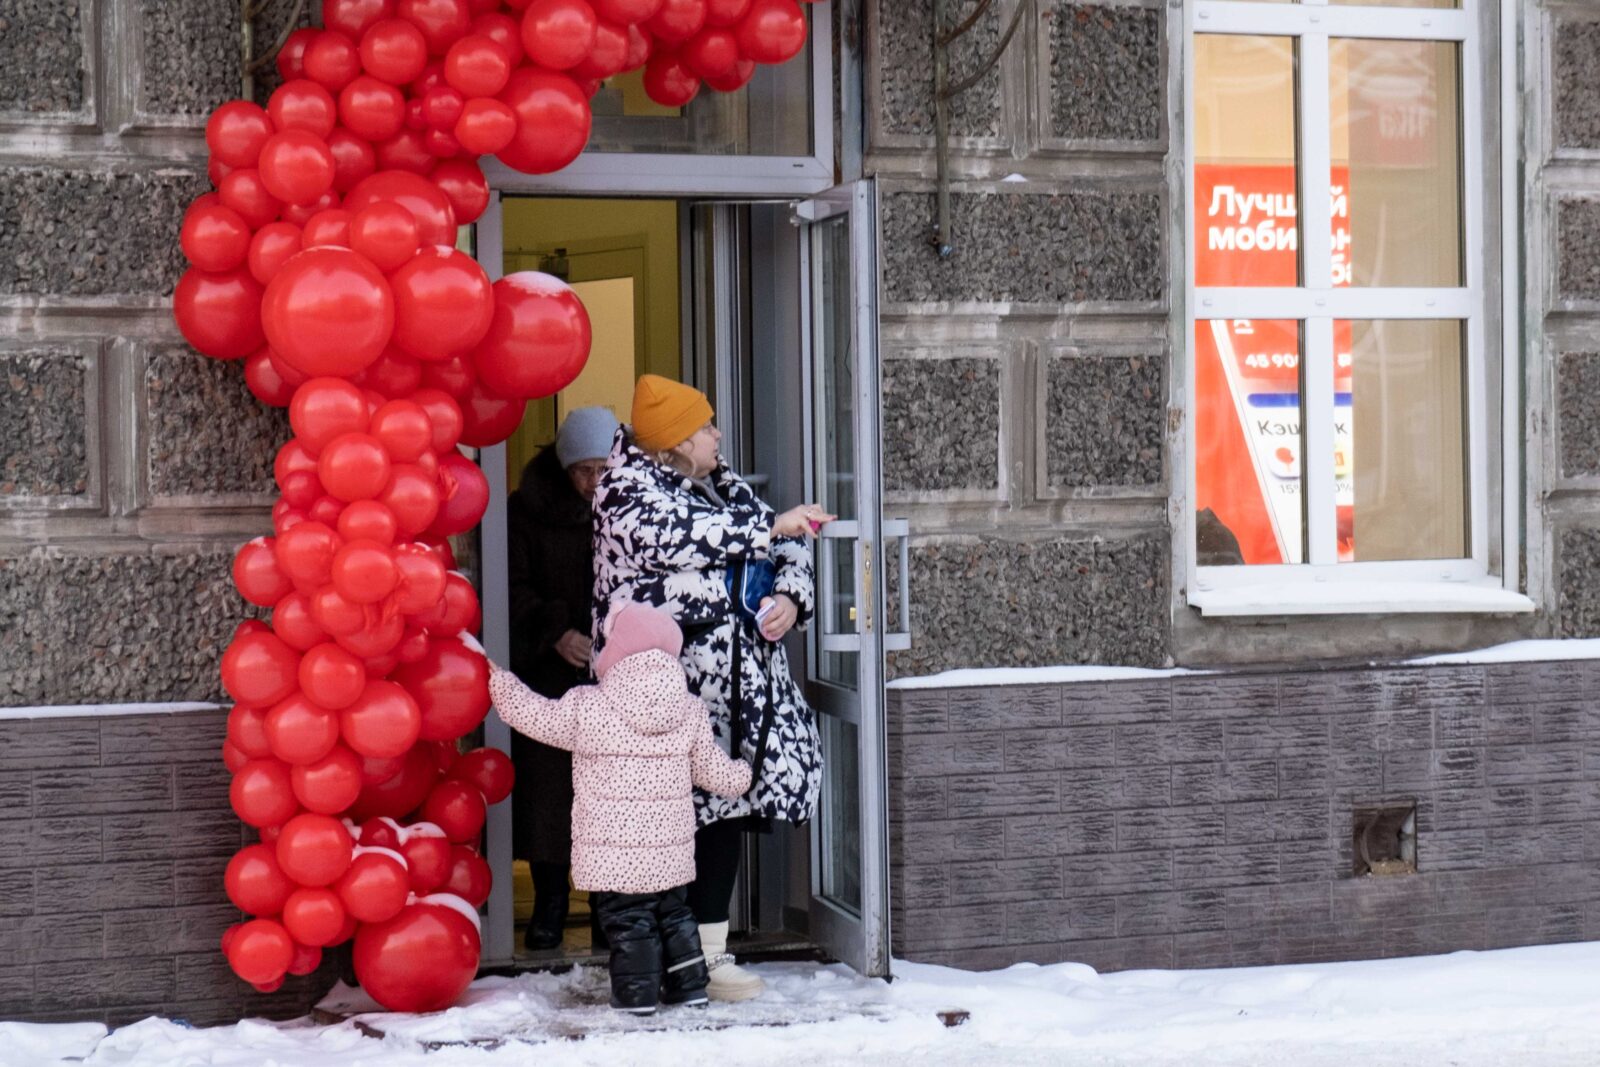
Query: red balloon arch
column 325, row 261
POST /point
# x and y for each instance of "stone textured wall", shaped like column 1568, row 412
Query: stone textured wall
column 116, row 834
column 1207, row 821
column 1024, row 375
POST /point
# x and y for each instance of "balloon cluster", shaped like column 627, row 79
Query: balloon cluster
column 325, row 260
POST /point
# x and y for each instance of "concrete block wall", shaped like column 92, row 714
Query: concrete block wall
column 1207, row 820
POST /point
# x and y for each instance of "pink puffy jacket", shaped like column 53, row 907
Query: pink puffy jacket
column 639, row 740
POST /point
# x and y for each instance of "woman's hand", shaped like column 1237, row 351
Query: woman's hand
column 575, row 648
column 781, row 619
column 802, row 521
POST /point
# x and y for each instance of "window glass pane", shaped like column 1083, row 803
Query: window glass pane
column 1245, row 176
column 771, row 116
column 1397, row 151
column 1248, row 495
column 1402, row 463
column 1395, row 3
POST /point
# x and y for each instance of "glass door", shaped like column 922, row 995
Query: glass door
column 849, row 906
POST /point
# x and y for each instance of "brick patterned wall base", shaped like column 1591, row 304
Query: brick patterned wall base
column 1206, row 821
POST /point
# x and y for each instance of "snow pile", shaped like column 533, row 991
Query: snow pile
column 1528, row 1006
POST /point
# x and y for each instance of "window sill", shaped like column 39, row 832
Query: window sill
column 1359, row 598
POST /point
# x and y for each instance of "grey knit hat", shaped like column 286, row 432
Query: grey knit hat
column 587, row 434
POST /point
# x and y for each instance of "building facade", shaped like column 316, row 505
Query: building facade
column 1039, row 413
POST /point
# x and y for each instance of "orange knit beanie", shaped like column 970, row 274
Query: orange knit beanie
column 667, row 413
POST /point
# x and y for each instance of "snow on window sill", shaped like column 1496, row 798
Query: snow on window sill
column 99, row 711
column 1360, row 598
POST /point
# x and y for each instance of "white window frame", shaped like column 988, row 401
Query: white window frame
column 1322, row 585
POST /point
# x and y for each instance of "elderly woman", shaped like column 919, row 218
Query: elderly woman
column 671, row 523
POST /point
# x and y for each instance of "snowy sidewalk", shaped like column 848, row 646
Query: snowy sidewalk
column 1537, row 1006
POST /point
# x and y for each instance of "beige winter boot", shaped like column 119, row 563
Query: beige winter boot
column 728, row 981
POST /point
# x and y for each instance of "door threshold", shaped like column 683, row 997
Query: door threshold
column 576, row 952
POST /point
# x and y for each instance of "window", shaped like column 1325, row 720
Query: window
column 1344, row 377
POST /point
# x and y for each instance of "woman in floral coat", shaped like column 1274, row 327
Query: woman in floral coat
column 670, row 520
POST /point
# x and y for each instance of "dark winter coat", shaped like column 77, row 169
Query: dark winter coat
column 550, row 565
column 661, row 540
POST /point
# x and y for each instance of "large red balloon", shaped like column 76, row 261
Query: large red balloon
column 354, row 466
column 375, row 887
column 329, row 785
column 314, row 916
column 772, row 31
column 257, row 575
column 300, row 731
column 451, row 687
column 258, row 669
column 328, row 311
column 364, row 572
column 443, row 303
column 255, row 883
column 262, row 794
column 329, row 675
column 436, row 222
column 463, row 182
column 489, row 417
column 219, row 313
column 236, row 131
column 400, row 794
column 489, row 769
column 383, row 722
column 457, row 808
column 372, row 108
column 214, row 237
column 260, row 951
column 325, row 408
column 423, row 959
column 538, row 340
column 556, row 34
column 314, row 849
column 464, row 495
column 553, row 120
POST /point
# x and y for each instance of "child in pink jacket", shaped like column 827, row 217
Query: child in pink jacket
column 639, row 741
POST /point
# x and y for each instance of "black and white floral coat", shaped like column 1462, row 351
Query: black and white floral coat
column 661, row 540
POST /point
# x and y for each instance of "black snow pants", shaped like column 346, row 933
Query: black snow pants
column 655, row 949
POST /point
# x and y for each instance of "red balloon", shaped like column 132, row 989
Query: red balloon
column 258, row 668
column 556, row 34
column 368, row 520
column 441, row 107
column 457, row 808
column 725, row 12
column 463, row 182
column 254, row 882
column 422, row 579
column 292, row 458
column 464, row 495
column 640, row 45
column 380, row 833
column 261, row 793
column 329, row 785
column 292, row 56
column 216, row 170
column 503, row 30
column 485, row 127
column 300, row 731
column 608, row 54
column 260, row 951
column 375, row 887
column 538, row 340
column 553, row 120
column 219, row 313
column 477, row 66
column 735, row 79
column 265, row 380
column 454, row 376
column 329, row 675
column 383, row 722
column 385, row 233
column 314, row 849
column 626, row 11
column 443, row 303
column 394, row 374
column 236, row 131
column 300, row 214
column 413, row 646
column 256, row 573
column 294, row 624
column 270, row 248
column 326, row 510
column 442, row 22
column 469, row 877
column 372, row 108
column 244, row 192
column 404, row 430
column 334, row 614
column 398, row 795
column 364, row 572
column 353, row 159
column 393, row 50
column 451, row 687
column 441, row 142
column 488, row 769
column 306, row 555
column 436, row 223
column 214, row 237
column 296, row 166
column 313, row 916
column 772, row 31
column 375, row 640
column 328, row 311
column 354, row 466
column 326, row 408
column 422, row 959
column 352, row 17
column 306, row 959
column 428, row 861
column 678, row 20
column 489, row 417
column 460, row 610
column 413, row 497
column 445, row 754
column 302, row 104
column 247, row 730
column 332, row 61
column 669, row 81
column 431, row 78
column 712, row 53
column 232, row 758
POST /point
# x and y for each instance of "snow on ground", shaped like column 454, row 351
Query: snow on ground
column 1534, row 1006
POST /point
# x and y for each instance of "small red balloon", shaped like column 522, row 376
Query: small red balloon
column 394, row 374
column 368, row 520
column 329, row 675
column 469, row 877
column 254, row 882
column 313, row 917
column 302, row 104
column 485, row 126
column 463, row 182
column 457, row 808
column 247, row 730
column 442, row 22
column 334, row 614
column 258, row 669
column 393, row 50
column 489, row 418
column 385, row 233
column 735, row 79
column 291, row 57
column 383, row 722
column 477, row 66
column 300, row 731
column 678, row 20
column 669, row 81
column 306, row 555
column 214, row 237
column 294, row 624
column 772, row 31
column 413, row 496
column 260, row 952
column 487, row 769
column 427, row 860
column 330, row 785
column 326, row 408
column 354, row 466
column 422, row 579
column 608, row 54
column 556, row 34
column 364, row 572
column 314, row 849
column 272, row 246
column 296, row 166
column 464, row 495
column 219, row 313
column 331, row 60
column 399, row 795
column 725, row 12
column 236, row 131
column 403, row 428
column 266, row 381
column 372, row 108
column 353, row 159
column 353, row 17
column 503, row 30
column 256, row 573
column 712, row 53
column 261, row 793
column 375, row 887
column 244, row 192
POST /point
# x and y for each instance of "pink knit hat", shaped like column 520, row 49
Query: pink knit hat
column 634, row 628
